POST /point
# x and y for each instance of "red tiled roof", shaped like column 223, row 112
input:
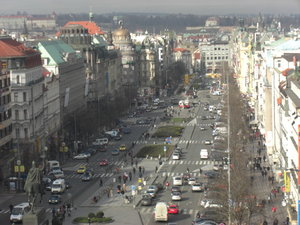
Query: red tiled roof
column 12, row 48
column 180, row 50
column 197, row 55
column 91, row 26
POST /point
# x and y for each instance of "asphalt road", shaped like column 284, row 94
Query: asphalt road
column 80, row 190
column 191, row 142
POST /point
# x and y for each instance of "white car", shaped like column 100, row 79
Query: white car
column 191, row 180
column 57, row 174
column 82, row 156
column 153, row 188
column 207, row 142
column 211, row 204
column 202, row 128
column 197, row 187
column 176, row 196
column 175, row 156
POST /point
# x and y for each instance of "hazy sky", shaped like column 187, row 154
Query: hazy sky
column 160, row 6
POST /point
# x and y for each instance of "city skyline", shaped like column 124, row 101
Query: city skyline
column 155, row 6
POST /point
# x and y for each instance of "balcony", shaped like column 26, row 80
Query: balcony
column 5, row 139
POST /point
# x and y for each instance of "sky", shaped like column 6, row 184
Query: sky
column 204, row 7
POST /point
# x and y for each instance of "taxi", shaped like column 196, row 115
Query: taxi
column 122, row 147
column 81, row 169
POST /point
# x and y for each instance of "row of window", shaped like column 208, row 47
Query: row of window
column 5, row 131
column 16, row 97
column 219, row 57
column 5, row 115
column 4, row 100
column 26, row 132
column 4, row 83
column 25, row 114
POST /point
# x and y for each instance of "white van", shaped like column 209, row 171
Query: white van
column 18, row 212
column 203, row 154
column 53, row 164
column 161, row 211
column 58, row 186
column 101, row 141
column 177, row 181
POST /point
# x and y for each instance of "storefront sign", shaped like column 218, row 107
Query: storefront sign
column 287, row 182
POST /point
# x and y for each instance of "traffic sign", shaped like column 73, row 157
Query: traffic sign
column 133, row 187
column 165, row 148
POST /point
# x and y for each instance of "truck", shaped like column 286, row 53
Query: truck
column 161, row 211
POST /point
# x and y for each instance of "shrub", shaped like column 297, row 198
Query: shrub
column 91, row 215
column 100, row 214
column 84, row 219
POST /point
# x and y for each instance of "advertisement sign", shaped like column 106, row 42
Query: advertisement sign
column 287, row 182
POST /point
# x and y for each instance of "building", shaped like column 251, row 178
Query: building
column 27, row 102
column 6, row 148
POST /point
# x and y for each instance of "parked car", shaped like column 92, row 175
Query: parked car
column 146, row 200
column 54, row 199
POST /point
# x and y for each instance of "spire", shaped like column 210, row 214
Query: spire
column 91, row 16
column 25, row 29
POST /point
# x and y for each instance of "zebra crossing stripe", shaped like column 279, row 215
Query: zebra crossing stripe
column 197, row 162
column 181, row 162
column 102, row 175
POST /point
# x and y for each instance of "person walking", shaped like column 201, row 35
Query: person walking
column 287, row 221
column 275, row 222
column 156, row 169
column 133, row 170
column 11, row 207
column 130, row 176
column 100, row 182
column 143, row 169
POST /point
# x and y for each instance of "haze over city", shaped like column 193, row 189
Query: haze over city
column 154, row 6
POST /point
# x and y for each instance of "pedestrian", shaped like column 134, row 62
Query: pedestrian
column 187, row 170
column 156, row 169
column 131, row 162
column 272, row 179
column 130, row 176
column 140, row 169
column 133, row 170
column 100, row 182
column 265, row 222
column 120, row 179
column 274, row 209
column 11, row 207
column 275, row 222
column 53, row 212
column 200, row 171
column 143, row 168
column 287, row 221
column 264, row 158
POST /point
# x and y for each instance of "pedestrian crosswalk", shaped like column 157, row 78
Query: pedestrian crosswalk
column 174, row 174
column 183, row 211
column 190, row 162
column 190, row 142
column 98, row 175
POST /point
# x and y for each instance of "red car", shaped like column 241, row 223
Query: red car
column 173, row 209
column 103, row 162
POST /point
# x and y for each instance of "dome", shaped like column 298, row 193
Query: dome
column 121, row 32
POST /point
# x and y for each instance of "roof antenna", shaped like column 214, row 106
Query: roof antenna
column 91, row 16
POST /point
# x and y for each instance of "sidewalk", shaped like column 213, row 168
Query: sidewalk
column 114, row 206
column 262, row 186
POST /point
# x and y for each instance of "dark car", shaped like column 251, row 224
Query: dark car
column 146, row 200
column 126, row 130
column 159, row 186
column 200, row 221
column 211, row 174
column 54, row 199
column 211, row 215
column 86, row 176
column 175, row 189
column 118, row 138
column 92, row 151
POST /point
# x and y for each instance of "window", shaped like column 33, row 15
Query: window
column 24, row 97
column 16, row 97
column 279, row 65
column 25, row 114
column 18, row 79
column 26, row 132
column 17, row 132
column 16, row 114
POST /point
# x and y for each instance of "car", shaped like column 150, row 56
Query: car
column 173, row 209
column 115, row 152
column 146, row 200
column 211, row 117
column 211, row 174
column 56, row 174
column 159, row 186
column 92, row 151
column 210, row 215
column 192, row 180
column 122, row 147
column 175, row 156
column 176, row 196
column 220, row 138
column 201, row 221
column 118, row 137
column 54, row 199
column 103, row 162
column 86, row 176
column 207, row 142
column 153, row 187
column 81, row 169
column 202, row 128
column 205, row 108
column 152, row 193
column 198, row 187
column 203, row 118
column 212, row 204
column 126, row 130
column 175, row 189
column 102, row 148
column 82, row 156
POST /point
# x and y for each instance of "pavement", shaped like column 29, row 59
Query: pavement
column 263, row 188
